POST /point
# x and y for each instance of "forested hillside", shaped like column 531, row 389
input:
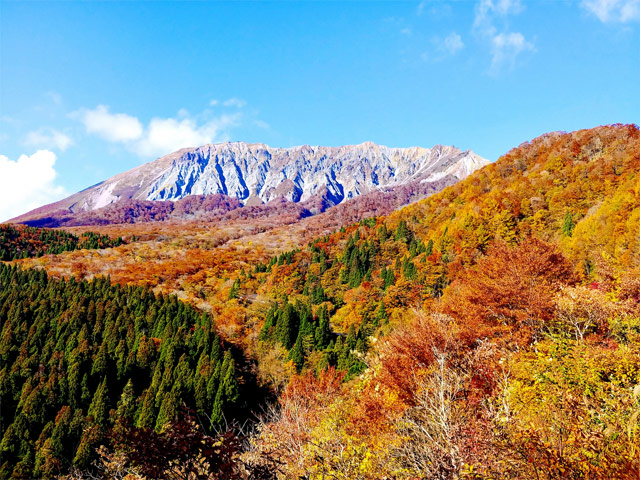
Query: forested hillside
column 489, row 331
column 79, row 357
column 494, row 327
column 18, row 241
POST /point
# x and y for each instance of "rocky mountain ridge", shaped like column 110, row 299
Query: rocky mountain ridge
column 256, row 173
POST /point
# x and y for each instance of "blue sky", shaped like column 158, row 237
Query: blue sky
column 90, row 89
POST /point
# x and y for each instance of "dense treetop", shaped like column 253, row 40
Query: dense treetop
column 78, row 357
column 19, row 241
column 489, row 331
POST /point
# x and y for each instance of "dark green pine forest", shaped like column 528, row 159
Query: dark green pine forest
column 78, row 357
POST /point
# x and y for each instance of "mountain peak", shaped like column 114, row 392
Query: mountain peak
column 259, row 172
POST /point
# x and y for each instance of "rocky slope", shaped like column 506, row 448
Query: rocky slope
column 256, row 173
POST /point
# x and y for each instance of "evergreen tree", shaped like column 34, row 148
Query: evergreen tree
column 269, row 321
column 381, row 316
column 100, row 366
column 230, row 382
column 429, row 248
column 403, row 233
column 147, row 414
column 217, row 414
column 287, row 326
column 168, row 410
column 126, row 405
column 568, row 225
column 201, row 394
column 322, row 334
column 99, row 407
column 235, row 289
column 390, row 279
column 297, row 353
column 409, row 270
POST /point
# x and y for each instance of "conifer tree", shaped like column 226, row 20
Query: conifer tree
column 99, row 407
column 126, row 405
column 568, row 225
column 287, row 326
column 322, row 335
column 381, row 316
column 168, row 410
column 147, row 415
column 297, row 353
column 390, row 279
column 235, row 289
column 230, row 381
column 201, row 394
column 217, row 414
column 100, row 366
column 429, row 248
column 268, row 324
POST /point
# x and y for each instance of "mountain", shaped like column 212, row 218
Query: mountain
column 252, row 174
column 489, row 331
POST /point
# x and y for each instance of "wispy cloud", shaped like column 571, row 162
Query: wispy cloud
column 443, row 48
column 452, row 43
column 506, row 48
column 162, row 135
column 434, row 8
column 486, row 12
column 28, row 183
column 614, row 11
column 48, row 138
column 234, row 102
column 55, row 97
column 491, row 24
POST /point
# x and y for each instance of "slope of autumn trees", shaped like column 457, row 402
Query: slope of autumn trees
column 579, row 190
column 496, row 325
column 78, row 357
column 19, row 241
column 489, row 331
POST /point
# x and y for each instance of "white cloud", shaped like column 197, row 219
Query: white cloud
column 443, row 48
column 214, row 102
column 486, row 12
column 453, row 43
column 115, row 127
column 48, row 138
column 162, row 135
column 234, row 102
column 166, row 135
column 28, row 183
column 491, row 24
column 610, row 11
column 506, row 48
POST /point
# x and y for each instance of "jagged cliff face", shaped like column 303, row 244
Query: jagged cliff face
column 257, row 173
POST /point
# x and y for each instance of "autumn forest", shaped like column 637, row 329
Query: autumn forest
column 488, row 331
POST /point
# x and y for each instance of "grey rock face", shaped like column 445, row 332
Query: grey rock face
column 257, row 172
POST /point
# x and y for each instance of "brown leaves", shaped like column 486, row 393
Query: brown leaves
column 510, row 287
